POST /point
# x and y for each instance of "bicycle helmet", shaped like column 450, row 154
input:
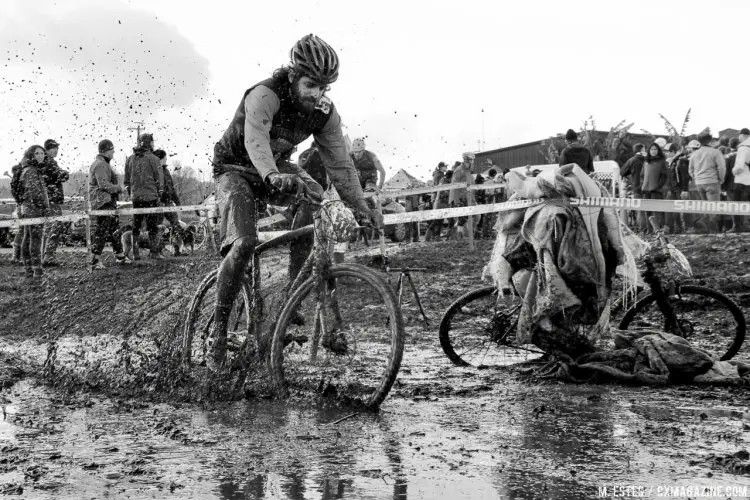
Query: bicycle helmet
column 358, row 145
column 316, row 59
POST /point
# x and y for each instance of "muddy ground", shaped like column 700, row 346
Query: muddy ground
column 101, row 419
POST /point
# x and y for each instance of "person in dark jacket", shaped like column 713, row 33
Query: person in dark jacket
column 730, row 222
column 576, row 152
column 104, row 191
column 144, row 180
column 433, row 229
column 171, row 199
column 442, row 201
column 35, row 204
column 653, row 183
column 631, row 174
column 16, row 190
column 53, row 177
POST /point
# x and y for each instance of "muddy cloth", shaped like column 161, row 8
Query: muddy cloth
column 650, row 357
column 561, row 260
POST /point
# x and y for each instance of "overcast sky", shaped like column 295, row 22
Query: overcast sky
column 414, row 78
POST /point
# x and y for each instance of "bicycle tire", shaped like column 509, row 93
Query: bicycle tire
column 734, row 310
column 196, row 304
column 395, row 323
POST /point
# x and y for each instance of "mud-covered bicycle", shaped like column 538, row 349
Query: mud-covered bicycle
column 326, row 299
column 479, row 328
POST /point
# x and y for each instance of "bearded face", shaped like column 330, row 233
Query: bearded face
column 306, row 93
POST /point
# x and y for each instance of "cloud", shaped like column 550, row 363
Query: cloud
column 126, row 54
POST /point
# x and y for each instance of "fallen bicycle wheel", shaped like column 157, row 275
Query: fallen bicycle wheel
column 197, row 333
column 480, row 331
column 708, row 319
column 360, row 312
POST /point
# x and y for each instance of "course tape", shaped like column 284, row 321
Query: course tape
column 671, row 206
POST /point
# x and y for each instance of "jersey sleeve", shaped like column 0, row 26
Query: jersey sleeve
column 335, row 157
column 261, row 104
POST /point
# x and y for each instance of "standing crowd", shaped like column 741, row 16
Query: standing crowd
column 697, row 171
column 37, row 188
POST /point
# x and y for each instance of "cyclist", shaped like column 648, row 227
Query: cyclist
column 251, row 161
column 370, row 170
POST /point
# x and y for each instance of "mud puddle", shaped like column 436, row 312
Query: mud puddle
column 509, row 441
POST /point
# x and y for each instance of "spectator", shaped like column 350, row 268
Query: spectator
column 677, row 182
column 741, row 173
column 16, row 190
column 104, row 191
column 462, row 196
column 707, row 169
column 576, row 152
column 653, row 183
column 436, row 225
column 727, row 188
column 144, row 180
column 437, row 178
column 631, row 174
column 633, row 168
column 724, row 147
column 412, row 205
column 35, row 204
column 53, row 177
column 170, row 199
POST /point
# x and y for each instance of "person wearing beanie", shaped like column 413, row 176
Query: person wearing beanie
column 171, row 199
column 104, row 192
column 741, row 171
column 53, row 177
column 144, row 180
column 576, row 152
column 35, row 203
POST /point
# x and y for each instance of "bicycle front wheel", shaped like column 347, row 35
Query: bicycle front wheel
column 478, row 330
column 362, row 314
column 708, row 319
column 198, row 330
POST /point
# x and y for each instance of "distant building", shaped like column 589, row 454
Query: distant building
column 729, row 132
column 531, row 153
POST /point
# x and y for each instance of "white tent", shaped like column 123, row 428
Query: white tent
column 402, row 180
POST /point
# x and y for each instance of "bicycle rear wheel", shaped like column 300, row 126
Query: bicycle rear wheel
column 709, row 319
column 198, row 330
column 479, row 331
column 371, row 322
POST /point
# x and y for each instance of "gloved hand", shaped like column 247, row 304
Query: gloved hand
column 368, row 218
column 684, row 195
column 287, row 183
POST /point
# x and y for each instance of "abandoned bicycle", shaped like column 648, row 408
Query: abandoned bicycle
column 326, row 300
column 480, row 330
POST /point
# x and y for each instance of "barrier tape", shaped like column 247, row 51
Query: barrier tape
column 668, row 206
column 152, row 210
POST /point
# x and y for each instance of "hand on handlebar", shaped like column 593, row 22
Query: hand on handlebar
column 287, row 183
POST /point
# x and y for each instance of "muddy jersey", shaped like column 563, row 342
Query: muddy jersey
column 267, row 126
column 368, row 172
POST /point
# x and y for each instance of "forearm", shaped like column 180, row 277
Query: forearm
column 260, row 107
